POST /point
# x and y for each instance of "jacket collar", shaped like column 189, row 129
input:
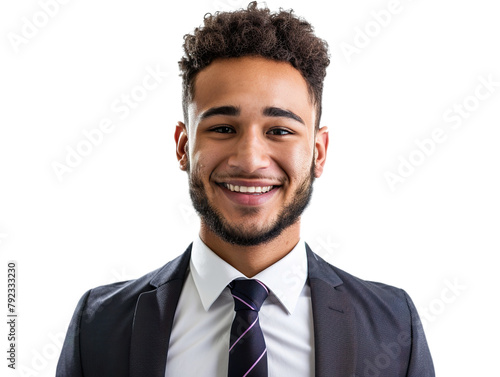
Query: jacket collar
column 153, row 319
column 334, row 325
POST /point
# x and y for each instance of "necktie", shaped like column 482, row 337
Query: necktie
column 247, row 348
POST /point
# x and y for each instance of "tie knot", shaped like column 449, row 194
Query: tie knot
column 248, row 294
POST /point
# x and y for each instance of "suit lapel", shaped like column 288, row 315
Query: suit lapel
column 334, row 323
column 153, row 318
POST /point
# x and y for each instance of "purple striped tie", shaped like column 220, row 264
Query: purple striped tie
column 247, row 348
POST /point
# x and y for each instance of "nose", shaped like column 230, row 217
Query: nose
column 250, row 152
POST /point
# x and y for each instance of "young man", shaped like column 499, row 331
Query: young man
column 248, row 297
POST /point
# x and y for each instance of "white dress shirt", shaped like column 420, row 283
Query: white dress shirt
column 199, row 341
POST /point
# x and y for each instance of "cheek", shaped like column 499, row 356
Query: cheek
column 297, row 162
column 204, row 161
column 197, row 166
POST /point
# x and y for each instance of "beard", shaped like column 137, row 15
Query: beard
column 243, row 235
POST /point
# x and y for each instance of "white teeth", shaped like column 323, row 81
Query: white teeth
column 249, row 189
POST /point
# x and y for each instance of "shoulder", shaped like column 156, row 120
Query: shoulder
column 380, row 320
column 120, row 298
column 367, row 288
column 121, row 295
column 102, row 324
column 367, row 297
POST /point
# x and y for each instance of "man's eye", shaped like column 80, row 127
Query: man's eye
column 223, row 130
column 279, row 132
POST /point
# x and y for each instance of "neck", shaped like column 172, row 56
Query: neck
column 250, row 260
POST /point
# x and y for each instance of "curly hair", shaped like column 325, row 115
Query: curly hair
column 279, row 36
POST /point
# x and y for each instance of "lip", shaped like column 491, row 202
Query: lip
column 248, row 199
column 250, row 183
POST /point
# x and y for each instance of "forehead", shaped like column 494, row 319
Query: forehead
column 251, row 83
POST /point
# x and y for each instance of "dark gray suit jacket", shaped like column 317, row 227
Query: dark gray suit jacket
column 361, row 329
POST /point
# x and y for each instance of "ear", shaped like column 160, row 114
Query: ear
column 181, row 139
column 321, row 147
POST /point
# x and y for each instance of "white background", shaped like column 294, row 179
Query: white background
column 124, row 209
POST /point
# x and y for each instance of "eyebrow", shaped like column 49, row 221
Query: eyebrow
column 282, row 113
column 221, row 110
column 270, row 111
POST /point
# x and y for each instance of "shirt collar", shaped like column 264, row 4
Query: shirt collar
column 285, row 278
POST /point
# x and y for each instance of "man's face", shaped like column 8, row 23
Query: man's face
column 252, row 151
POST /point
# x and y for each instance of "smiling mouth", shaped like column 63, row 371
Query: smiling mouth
column 250, row 190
